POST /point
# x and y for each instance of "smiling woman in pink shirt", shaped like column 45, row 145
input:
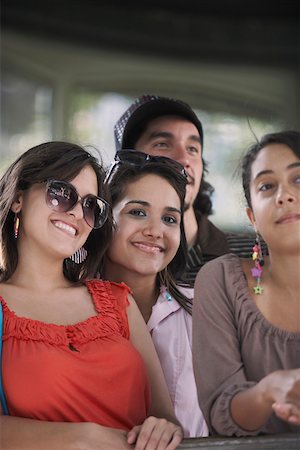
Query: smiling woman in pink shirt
column 148, row 252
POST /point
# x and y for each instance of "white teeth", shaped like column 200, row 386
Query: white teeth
column 64, row 226
column 148, row 248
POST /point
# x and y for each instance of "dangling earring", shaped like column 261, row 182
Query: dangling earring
column 165, row 293
column 164, row 284
column 258, row 263
column 16, row 225
column 79, row 256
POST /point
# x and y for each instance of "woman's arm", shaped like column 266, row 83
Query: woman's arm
column 161, row 404
column 27, row 434
column 218, row 366
column 278, row 392
column 231, row 403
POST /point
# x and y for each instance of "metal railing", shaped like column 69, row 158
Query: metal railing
column 290, row 441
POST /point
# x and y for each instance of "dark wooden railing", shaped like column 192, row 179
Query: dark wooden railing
column 270, row 442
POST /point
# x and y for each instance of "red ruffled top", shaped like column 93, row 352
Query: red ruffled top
column 87, row 372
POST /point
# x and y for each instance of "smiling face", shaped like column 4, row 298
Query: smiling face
column 275, row 196
column 176, row 138
column 59, row 234
column 148, row 229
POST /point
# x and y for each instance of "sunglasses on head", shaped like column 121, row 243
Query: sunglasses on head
column 62, row 196
column 136, row 158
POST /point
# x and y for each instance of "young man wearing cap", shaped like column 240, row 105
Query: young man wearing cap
column 168, row 127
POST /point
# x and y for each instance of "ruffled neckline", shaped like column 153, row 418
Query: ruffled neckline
column 107, row 320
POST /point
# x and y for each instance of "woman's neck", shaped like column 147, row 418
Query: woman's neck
column 279, row 301
column 144, row 288
column 145, row 295
column 40, row 273
column 284, row 273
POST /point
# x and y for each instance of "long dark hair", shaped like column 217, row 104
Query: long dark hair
column 125, row 173
column 61, row 161
column 289, row 138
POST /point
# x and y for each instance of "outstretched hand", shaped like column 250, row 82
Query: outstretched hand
column 288, row 406
column 288, row 412
column 155, row 434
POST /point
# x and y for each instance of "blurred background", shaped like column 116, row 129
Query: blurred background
column 70, row 68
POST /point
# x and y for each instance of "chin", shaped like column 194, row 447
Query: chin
column 188, row 201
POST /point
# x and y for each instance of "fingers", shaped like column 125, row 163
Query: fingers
column 288, row 412
column 176, row 439
column 155, row 434
column 133, row 434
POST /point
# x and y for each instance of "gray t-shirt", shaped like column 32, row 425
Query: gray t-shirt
column 234, row 346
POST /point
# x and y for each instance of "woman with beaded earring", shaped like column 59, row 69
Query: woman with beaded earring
column 79, row 369
column 148, row 253
column 246, row 313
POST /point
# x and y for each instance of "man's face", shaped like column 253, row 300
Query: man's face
column 177, row 138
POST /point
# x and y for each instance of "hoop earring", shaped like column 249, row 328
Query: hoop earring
column 258, row 265
column 79, row 256
column 16, row 225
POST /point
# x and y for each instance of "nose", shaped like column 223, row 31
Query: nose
column 77, row 211
column 285, row 195
column 181, row 155
column 153, row 228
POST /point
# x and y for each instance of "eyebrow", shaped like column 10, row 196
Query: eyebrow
column 168, row 135
column 266, row 172
column 143, row 203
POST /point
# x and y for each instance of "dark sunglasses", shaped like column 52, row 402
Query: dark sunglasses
column 136, row 158
column 62, row 196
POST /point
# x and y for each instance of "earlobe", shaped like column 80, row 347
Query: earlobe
column 251, row 217
column 16, row 205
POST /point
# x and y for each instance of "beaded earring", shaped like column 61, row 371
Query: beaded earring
column 166, row 294
column 79, row 256
column 258, row 265
column 164, row 284
column 16, row 225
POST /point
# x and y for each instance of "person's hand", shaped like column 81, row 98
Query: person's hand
column 155, row 434
column 287, row 396
column 288, row 408
column 288, row 412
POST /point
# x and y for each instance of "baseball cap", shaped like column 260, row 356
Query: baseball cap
column 148, row 107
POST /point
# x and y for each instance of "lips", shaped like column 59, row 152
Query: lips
column 148, row 247
column 288, row 218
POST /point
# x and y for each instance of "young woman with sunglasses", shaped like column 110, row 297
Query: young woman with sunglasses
column 78, row 363
column 148, row 253
column 246, row 313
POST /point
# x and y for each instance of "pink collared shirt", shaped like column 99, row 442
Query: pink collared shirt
column 171, row 329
